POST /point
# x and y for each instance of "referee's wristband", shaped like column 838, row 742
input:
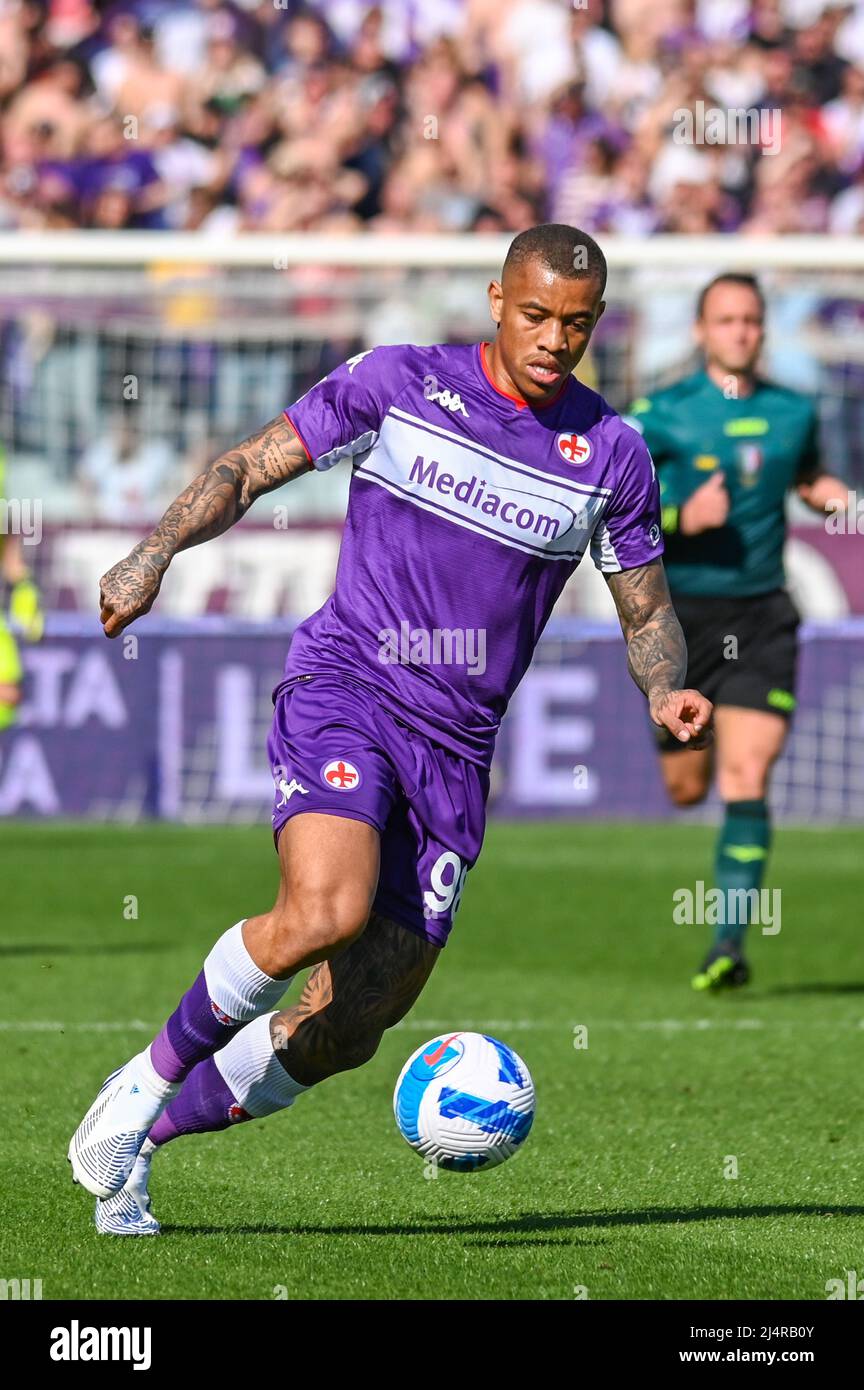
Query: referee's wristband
column 669, row 519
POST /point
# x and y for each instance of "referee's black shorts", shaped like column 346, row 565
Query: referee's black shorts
column 741, row 651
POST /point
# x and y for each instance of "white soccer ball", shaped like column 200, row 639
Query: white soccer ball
column 464, row 1101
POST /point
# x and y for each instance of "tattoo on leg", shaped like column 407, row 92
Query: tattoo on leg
column 348, row 1002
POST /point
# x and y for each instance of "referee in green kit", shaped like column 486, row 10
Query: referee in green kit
column 728, row 446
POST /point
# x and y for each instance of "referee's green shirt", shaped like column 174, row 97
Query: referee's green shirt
column 763, row 444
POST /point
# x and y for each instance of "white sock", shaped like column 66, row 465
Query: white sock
column 148, row 1079
column 143, row 1094
column 253, row 1073
column 235, row 983
column 139, row 1178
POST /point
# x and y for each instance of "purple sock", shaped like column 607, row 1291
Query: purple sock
column 205, row 1104
column 196, row 1029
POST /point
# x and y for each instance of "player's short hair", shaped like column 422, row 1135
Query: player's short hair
column 731, row 277
column 564, row 250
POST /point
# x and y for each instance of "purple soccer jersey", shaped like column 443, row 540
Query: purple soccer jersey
column 468, row 511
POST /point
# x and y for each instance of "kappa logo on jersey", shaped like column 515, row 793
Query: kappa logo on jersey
column 451, row 400
column 341, row 775
column 288, row 789
column 575, row 448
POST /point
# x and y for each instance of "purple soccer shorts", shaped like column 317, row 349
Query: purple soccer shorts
column 335, row 750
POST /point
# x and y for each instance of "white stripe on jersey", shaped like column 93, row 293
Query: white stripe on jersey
column 475, row 488
column 342, row 451
column 603, row 551
column 434, row 428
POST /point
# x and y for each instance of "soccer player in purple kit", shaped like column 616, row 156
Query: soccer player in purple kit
column 481, row 475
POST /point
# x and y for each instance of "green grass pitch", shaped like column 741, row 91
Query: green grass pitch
column 620, row 1190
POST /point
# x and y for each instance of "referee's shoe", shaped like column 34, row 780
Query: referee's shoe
column 723, row 966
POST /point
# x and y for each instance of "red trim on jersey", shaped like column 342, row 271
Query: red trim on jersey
column 518, row 400
column 299, row 435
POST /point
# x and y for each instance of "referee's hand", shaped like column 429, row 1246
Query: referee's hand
column 686, row 714
column 707, row 509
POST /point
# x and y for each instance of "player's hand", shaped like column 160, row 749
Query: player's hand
column 707, row 509
column 128, row 591
column 686, row 714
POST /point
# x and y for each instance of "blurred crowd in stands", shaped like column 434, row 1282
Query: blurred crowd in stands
column 428, row 115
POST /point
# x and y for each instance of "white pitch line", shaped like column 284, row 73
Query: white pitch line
column 53, row 1025
column 659, row 1025
column 433, row 1025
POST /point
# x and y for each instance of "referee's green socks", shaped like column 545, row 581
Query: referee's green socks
column 742, row 852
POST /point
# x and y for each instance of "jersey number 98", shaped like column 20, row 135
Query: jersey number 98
column 448, row 880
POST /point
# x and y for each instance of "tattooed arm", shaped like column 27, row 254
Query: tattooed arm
column 210, row 504
column 657, row 652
